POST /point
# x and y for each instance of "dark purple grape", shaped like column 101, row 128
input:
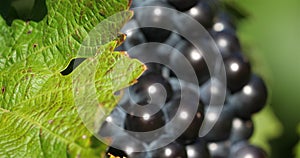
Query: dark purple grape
column 146, row 123
column 212, row 89
column 126, row 146
column 155, row 16
column 251, row 99
column 159, row 87
column 194, row 57
column 112, row 123
column 183, row 5
column 175, row 83
column 227, row 42
column 115, row 152
column 191, row 133
column 241, row 130
column 154, row 68
column 149, row 89
column 173, row 39
column 156, row 34
column 203, row 13
column 223, row 22
column 238, row 72
column 250, row 151
column 222, row 128
column 235, row 146
column 134, row 37
column 172, row 150
column 219, row 149
column 198, row 149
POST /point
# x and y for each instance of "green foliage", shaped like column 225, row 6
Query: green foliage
column 297, row 149
column 271, row 33
column 38, row 115
column 267, row 127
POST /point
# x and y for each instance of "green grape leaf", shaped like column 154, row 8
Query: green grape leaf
column 38, row 112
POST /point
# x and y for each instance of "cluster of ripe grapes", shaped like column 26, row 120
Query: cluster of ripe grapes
column 246, row 92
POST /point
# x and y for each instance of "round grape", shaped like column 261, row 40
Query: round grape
column 227, row 42
column 250, row 151
column 241, row 129
column 194, row 56
column 155, row 16
column 251, row 99
column 222, row 128
column 219, row 149
column 172, row 150
column 203, row 13
column 134, row 37
column 238, row 72
column 191, row 133
column 149, row 85
column 198, row 149
column 183, row 5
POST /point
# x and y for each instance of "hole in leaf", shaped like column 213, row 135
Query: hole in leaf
column 26, row 10
column 3, row 90
column 72, row 66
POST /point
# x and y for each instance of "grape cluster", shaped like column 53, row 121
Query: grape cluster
column 158, row 87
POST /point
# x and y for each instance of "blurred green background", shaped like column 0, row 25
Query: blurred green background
column 271, row 38
column 272, row 34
